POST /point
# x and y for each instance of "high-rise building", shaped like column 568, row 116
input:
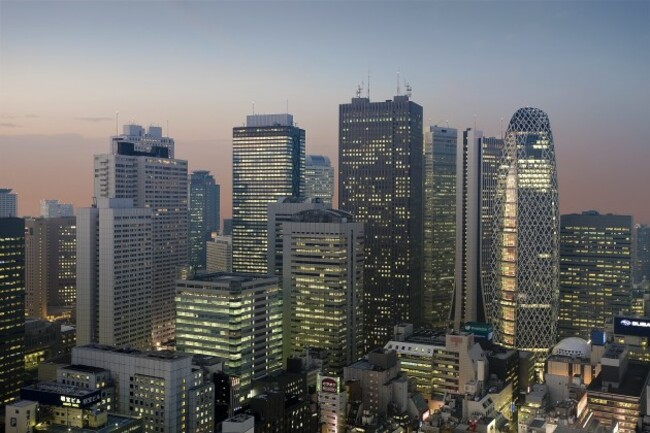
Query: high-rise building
column 268, row 163
column 54, row 209
column 8, row 203
column 278, row 213
column 50, row 266
column 381, row 184
column 522, row 297
column 12, row 308
column 641, row 253
column 236, row 317
column 152, row 179
column 115, row 274
column 319, row 178
column 227, row 226
column 204, row 215
column 323, row 281
column 439, row 224
column 595, row 271
column 219, row 254
column 476, row 170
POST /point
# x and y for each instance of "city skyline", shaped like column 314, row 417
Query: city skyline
column 592, row 83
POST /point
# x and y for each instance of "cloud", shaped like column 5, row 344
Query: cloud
column 94, row 119
column 17, row 116
column 9, row 125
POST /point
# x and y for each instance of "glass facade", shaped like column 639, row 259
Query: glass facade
column 204, row 216
column 595, row 271
column 12, row 308
column 522, row 297
column 268, row 163
column 381, row 184
column 319, row 178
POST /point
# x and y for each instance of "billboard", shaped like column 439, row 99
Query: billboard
column 61, row 398
column 634, row 326
column 329, row 384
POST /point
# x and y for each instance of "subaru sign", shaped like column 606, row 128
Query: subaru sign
column 634, row 326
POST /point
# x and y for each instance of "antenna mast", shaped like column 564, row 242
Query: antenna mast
column 368, row 88
column 398, row 83
column 117, row 117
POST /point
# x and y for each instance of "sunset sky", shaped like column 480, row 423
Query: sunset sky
column 66, row 68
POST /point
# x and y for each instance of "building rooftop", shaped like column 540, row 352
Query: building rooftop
column 227, row 278
column 162, row 355
column 84, row 368
column 632, row 385
column 115, row 423
column 59, row 388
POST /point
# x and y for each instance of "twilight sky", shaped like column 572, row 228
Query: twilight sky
column 67, row 67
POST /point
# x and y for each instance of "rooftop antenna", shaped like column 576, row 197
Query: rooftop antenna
column 117, row 117
column 253, row 102
column 359, row 90
column 168, row 128
column 287, row 106
column 368, row 88
column 409, row 89
column 501, row 128
column 398, row 83
column 475, row 122
column 447, row 122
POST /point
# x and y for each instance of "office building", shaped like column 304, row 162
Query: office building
column 153, row 180
column 204, row 215
column 12, row 308
column 595, row 271
column 323, row 285
column 268, row 163
column 381, row 184
column 476, row 168
column 227, row 226
column 618, row 395
column 54, row 209
column 280, row 212
column 50, row 266
column 319, row 178
column 8, row 203
column 439, row 224
column 522, row 297
column 641, row 253
column 236, row 317
column 164, row 388
column 115, row 274
column 219, row 254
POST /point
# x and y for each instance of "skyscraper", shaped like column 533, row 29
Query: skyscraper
column 323, row 277
column 268, row 163
column 319, row 178
column 50, row 266
column 152, row 179
column 12, row 308
column 595, row 271
column 381, row 184
column 218, row 252
column 439, row 224
column 475, row 188
column 641, row 253
column 204, row 215
column 522, row 297
column 8, row 203
column 115, row 262
column 54, row 209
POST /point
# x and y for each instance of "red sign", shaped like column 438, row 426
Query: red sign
column 329, row 385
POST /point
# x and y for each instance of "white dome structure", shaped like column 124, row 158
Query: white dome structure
column 575, row 347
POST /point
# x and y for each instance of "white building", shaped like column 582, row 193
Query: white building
column 219, row 254
column 114, row 274
column 332, row 401
column 164, row 388
column 8, row 203
column 141, row 168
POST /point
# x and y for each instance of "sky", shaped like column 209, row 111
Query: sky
column 197, row 68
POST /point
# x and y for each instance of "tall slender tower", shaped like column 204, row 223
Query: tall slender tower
column 381, row 184
column 523, row 295
column 268, row 162
column 440, row 223
column 204, row 215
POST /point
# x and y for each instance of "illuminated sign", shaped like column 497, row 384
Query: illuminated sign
column 633, row 326
column 51, row 396
column 328, row 384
